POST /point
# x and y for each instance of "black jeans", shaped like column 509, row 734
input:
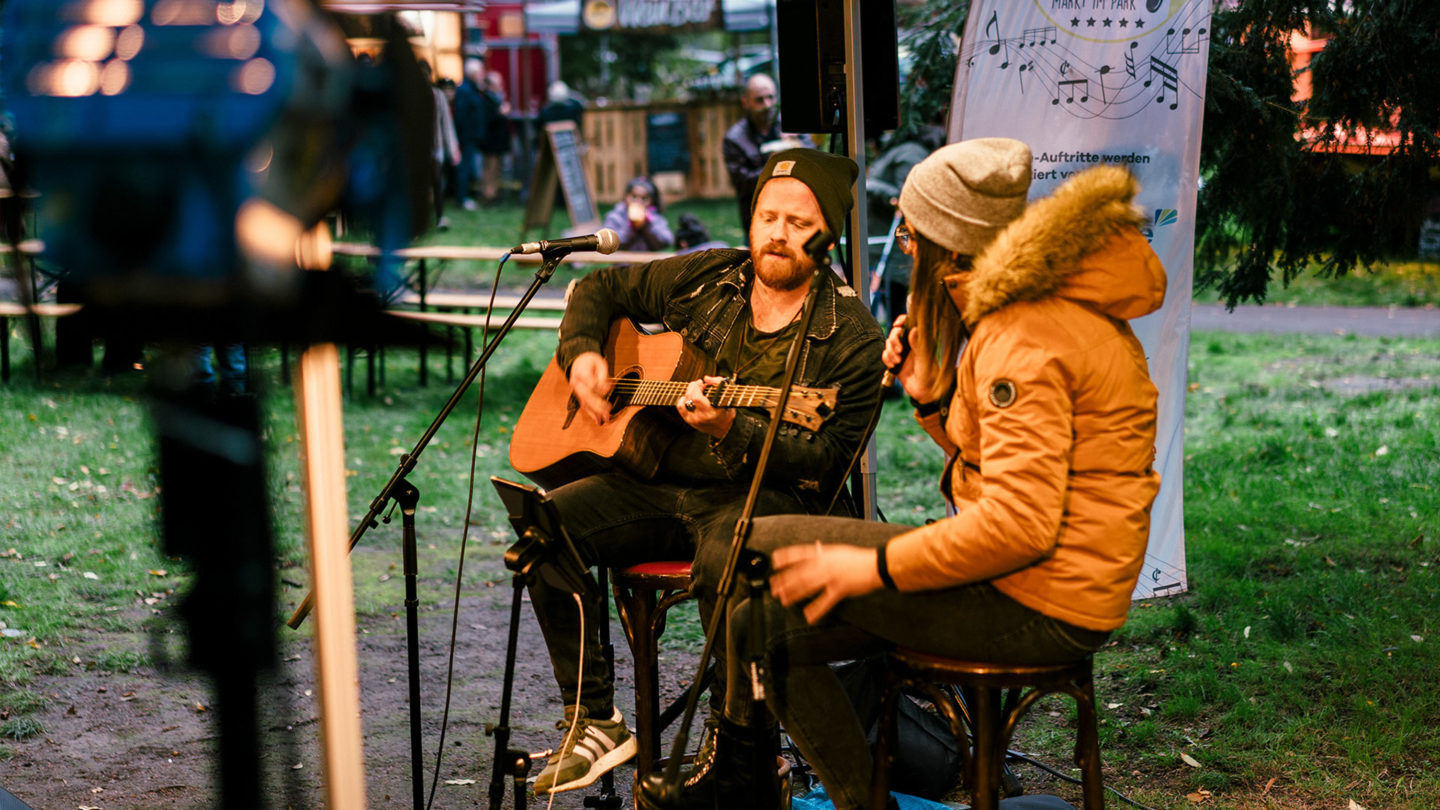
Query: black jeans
column 616, row 520
column 972, row 621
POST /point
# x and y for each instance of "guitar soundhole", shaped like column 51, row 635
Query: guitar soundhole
column 622, row 396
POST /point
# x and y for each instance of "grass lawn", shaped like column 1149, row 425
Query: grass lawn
column 1298, row 671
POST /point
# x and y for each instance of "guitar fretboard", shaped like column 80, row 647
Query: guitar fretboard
column 665, row 392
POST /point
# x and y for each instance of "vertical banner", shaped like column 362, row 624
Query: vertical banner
column 1086, row 82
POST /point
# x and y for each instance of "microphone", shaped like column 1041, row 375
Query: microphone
column 888, row 379
column 602, row 241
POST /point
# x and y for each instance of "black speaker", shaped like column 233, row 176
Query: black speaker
column 811, row 36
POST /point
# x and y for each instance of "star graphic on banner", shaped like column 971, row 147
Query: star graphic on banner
column 1124, row 23
column 1075, row 22
column 1090, row 23
column 1139, row 23
column 1107, row 22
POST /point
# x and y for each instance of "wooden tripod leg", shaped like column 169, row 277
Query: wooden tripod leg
column 318, row 408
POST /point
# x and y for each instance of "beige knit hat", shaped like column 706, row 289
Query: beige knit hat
column 962, row 195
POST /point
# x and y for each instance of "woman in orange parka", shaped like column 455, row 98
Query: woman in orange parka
column 1048, row 423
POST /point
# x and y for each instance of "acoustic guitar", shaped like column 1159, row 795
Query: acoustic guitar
column 554, row 443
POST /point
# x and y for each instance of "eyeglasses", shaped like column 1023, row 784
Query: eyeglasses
column 902, row 237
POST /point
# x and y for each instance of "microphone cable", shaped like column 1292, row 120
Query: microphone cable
column 579, row 684
column 1026, row 758
column 464, row 541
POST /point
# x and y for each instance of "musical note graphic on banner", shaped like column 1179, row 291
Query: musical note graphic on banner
column 1030, row 66
column 998, row 42
column 1185, row 43
column 1169, row 80
column 1071, row 84
column 1037, row 36
column 1083, row 73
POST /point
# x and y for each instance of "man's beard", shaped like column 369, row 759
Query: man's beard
column 781, row 274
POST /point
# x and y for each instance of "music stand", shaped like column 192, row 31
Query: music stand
column 544, row 550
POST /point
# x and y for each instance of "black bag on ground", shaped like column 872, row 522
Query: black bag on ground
column 927, row 757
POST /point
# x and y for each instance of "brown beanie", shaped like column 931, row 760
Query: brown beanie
column 828, row 176
column 962, row 195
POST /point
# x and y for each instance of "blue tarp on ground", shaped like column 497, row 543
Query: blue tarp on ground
column 817, row 799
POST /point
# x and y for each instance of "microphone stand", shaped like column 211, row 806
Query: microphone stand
column 407, row 497
column 670, row 789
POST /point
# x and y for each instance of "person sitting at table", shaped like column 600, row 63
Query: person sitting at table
column 638, row 219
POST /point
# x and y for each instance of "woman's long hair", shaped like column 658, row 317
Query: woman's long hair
column 938, row 330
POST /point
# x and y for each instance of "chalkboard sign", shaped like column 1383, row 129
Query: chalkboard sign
column 667, row 143
column 559, row 159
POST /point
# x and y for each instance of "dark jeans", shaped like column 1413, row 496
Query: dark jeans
column 974, row 622
column 617, row 520
column 437, row 187
column 230, row 358
column 467, row 172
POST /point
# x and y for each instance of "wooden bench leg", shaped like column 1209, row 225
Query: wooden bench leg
column 4, row 349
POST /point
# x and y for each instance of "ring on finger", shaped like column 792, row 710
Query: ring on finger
column 688, row 404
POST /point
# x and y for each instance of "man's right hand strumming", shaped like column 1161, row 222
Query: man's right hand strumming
column 590, row 383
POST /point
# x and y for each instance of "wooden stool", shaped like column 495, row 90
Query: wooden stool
column 994, row 721
column 644, row 593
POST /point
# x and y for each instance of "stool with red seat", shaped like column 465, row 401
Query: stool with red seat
column 992, row 718
column 644, row 593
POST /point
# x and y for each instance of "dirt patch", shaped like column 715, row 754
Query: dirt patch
column 148, row 739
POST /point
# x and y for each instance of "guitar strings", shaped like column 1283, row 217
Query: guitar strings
column 663, row 392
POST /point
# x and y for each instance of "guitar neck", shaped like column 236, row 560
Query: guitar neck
column 665, row 392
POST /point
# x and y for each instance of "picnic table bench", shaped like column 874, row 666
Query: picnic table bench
column 468, row 311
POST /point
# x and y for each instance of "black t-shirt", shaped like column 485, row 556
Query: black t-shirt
column 748, row 357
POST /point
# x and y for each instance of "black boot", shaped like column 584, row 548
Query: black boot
column 742, row 772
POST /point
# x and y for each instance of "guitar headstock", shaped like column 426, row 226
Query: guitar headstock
column 810, row 407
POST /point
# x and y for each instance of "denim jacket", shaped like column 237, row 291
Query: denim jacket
column 702, row 296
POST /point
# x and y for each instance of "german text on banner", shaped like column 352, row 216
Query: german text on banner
column 1086, row 82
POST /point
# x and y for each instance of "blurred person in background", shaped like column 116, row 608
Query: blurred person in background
column 495, row 144
column 561, row 105
column 639, row 219
column 470, row 123
column 445, row 149
column 753, row 139
column 883, row 180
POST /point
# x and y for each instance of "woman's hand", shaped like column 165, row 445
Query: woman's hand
column 897, row 356
column 828, row 573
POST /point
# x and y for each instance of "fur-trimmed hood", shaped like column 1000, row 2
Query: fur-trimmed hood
column 1080, row 243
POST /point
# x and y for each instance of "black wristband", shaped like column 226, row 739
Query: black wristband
column 925, row 408
column 883, row 569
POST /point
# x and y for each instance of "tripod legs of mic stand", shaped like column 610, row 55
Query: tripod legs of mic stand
column 516, row 763
column 407, row 496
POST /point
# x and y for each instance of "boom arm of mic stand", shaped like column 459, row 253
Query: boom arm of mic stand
column 737, row 542
column 407, row 461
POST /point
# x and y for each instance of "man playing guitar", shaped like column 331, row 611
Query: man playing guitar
column 740, row 309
